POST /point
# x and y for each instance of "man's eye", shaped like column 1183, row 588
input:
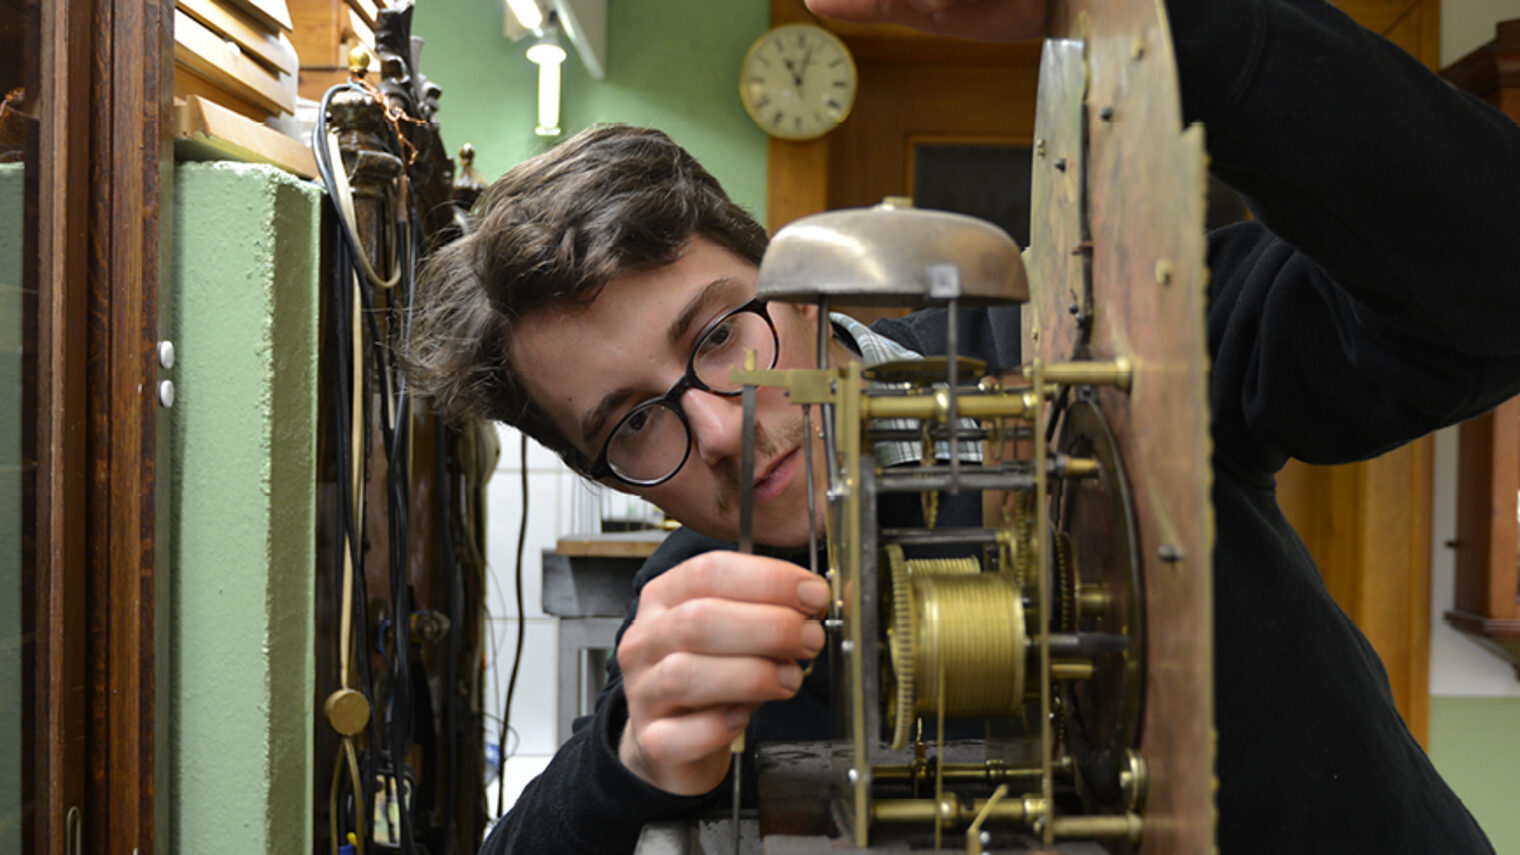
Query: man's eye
column 719, row 336
column 634, row 425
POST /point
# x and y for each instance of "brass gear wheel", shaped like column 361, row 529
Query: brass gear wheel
column 898, row 675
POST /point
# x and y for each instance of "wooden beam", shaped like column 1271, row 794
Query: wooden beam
column 799, row 180
column 129, row 153
column 61, row 707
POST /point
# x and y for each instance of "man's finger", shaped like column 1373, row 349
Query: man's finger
column 686, row 681
column 730, row 628
column 732, row 576
column 675, row 741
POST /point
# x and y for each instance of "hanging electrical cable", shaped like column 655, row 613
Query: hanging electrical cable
column 357, row 286
column 396, row 765
column 522, row 623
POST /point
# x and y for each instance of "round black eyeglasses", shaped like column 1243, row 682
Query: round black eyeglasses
column 650, row 444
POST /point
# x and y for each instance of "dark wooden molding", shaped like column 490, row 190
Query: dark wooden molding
column 1492, row 68
column 102, row 208
column 63, row 476
column 1501, row 636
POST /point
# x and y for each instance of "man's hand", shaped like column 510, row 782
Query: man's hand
column 715, row 636
column 983, row 20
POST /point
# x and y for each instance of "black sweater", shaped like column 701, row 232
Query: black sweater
column 1373, row 300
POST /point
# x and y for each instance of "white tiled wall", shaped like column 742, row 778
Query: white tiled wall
column 550, row 488
column 559, row 503
column 533, row 706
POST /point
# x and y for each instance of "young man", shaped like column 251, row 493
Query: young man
column 1374, row 299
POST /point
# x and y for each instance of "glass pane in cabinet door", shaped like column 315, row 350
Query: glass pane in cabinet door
column 18, row 42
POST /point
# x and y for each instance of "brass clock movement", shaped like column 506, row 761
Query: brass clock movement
column 798, row 81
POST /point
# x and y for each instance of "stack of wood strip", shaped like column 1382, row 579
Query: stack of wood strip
column 238, row 54
column 325, row 32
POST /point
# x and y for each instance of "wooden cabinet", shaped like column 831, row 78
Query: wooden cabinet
column 1487, row 604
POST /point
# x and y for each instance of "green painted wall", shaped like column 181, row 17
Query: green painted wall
column 12, row 695
column 244, row 322
column 671, row 64
column 1475, row 744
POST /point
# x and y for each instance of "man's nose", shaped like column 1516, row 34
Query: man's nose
column 716, row 424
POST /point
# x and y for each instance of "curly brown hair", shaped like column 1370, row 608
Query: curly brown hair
column 610, row 201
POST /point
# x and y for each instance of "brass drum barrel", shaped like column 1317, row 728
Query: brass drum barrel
column 972, row 627
column 948, row 619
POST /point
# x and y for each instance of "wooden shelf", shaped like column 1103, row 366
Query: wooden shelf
column 623, row 544
column 205, row 130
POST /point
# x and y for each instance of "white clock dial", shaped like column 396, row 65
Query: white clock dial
column 798, row 81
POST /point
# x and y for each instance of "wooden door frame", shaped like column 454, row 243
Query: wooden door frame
column 104, row 154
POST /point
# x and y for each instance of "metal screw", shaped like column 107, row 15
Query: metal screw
column 1106, row 114
column 1163, row 271
column 853, row 776
column 166, row 393
column 166, row 353
column 1060, row 164
column 846, row 647
column 1170, row 553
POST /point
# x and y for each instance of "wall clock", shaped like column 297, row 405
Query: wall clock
column 798, row 81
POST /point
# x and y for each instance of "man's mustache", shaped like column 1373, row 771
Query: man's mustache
column 726, row 496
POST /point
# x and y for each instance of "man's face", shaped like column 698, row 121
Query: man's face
column 589, row 366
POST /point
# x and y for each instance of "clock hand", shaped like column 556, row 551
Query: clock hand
column 796, row 74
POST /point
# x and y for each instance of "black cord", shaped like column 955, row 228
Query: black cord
column 326, row 172
column 394, row 418
column 522, row 623
column 369, row 765
column 444, row 473
column 350, row 533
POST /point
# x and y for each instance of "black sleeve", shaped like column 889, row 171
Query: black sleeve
column 586, row 800
column 991, row 335
column 1376, row 298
